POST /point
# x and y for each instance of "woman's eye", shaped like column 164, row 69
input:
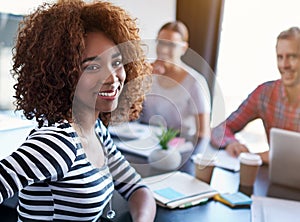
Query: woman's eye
column 92, row 68
column 117, row 63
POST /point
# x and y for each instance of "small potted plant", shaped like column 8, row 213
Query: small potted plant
column 166, row 136
column 165, row 157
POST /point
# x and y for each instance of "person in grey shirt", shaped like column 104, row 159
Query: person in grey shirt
column 179, row 97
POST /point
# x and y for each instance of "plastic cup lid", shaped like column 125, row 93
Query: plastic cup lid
column 205, row 159
column 250, row 159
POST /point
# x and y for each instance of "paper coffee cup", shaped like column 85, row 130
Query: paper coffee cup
column 249, row 165
column 204, row 165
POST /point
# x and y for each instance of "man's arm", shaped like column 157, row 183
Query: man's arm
column 224, row 134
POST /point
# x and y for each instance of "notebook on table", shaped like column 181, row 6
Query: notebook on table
column 178, row 189
column 284, row 164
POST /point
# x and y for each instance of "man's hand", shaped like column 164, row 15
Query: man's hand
column 235, row 148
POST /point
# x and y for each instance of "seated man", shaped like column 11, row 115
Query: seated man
column 276, row 103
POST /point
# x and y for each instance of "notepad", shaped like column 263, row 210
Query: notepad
column 177, row 188
column 234, row 200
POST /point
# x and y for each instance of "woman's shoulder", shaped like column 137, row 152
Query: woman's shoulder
column 56, row 145
column 194, row 77
column 58, row 128
column 61, row 134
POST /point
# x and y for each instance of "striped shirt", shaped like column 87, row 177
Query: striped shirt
column 57, row 182
column 268, row 102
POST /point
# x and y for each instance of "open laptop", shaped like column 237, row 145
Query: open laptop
column 284, row 164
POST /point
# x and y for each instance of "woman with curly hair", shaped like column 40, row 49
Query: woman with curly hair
column 78, row 67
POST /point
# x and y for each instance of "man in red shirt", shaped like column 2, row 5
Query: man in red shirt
column 276, row 103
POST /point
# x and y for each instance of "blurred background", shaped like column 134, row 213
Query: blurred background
column 236, row 38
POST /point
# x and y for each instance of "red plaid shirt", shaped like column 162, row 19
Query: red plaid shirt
column 267, row 102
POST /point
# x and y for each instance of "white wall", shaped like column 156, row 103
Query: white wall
column 150, row 14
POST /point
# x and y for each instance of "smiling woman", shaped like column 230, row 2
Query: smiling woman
column 74, row 63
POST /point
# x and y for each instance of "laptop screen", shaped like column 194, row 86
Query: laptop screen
column 284, row 158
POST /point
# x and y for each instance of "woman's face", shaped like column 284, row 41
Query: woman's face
column 103, row 75
column 170, row 46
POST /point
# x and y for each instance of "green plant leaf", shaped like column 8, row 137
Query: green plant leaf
column 166, row 136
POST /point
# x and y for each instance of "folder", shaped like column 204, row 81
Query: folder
column 178, row 189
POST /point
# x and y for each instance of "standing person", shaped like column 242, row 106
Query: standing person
column 276, row 103
column 69, row 62
column 179, row 97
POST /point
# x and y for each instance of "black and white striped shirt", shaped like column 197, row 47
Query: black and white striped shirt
column 57, row 182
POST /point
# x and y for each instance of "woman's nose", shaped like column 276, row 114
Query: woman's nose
column 111, row 76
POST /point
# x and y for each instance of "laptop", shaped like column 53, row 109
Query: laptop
column 284, row 164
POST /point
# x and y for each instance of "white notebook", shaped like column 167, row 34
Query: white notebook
column 177, row 189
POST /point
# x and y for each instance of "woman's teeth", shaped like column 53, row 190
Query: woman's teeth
column 106, row 94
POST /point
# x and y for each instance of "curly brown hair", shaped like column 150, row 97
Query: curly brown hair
column 49, row 51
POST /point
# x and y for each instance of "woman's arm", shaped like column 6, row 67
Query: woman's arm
column 142, row 205
column 127, row 181
column 204, row 125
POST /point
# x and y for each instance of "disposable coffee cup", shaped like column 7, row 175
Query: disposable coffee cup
column 249, row 165
column 204, row 166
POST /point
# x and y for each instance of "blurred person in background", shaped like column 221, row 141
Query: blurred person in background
column 180, row 97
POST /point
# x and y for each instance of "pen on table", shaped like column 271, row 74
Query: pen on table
column 193, row 203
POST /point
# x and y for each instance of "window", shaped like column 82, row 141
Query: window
column 8, row 28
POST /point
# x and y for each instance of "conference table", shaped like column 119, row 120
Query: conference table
column 212, row 211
